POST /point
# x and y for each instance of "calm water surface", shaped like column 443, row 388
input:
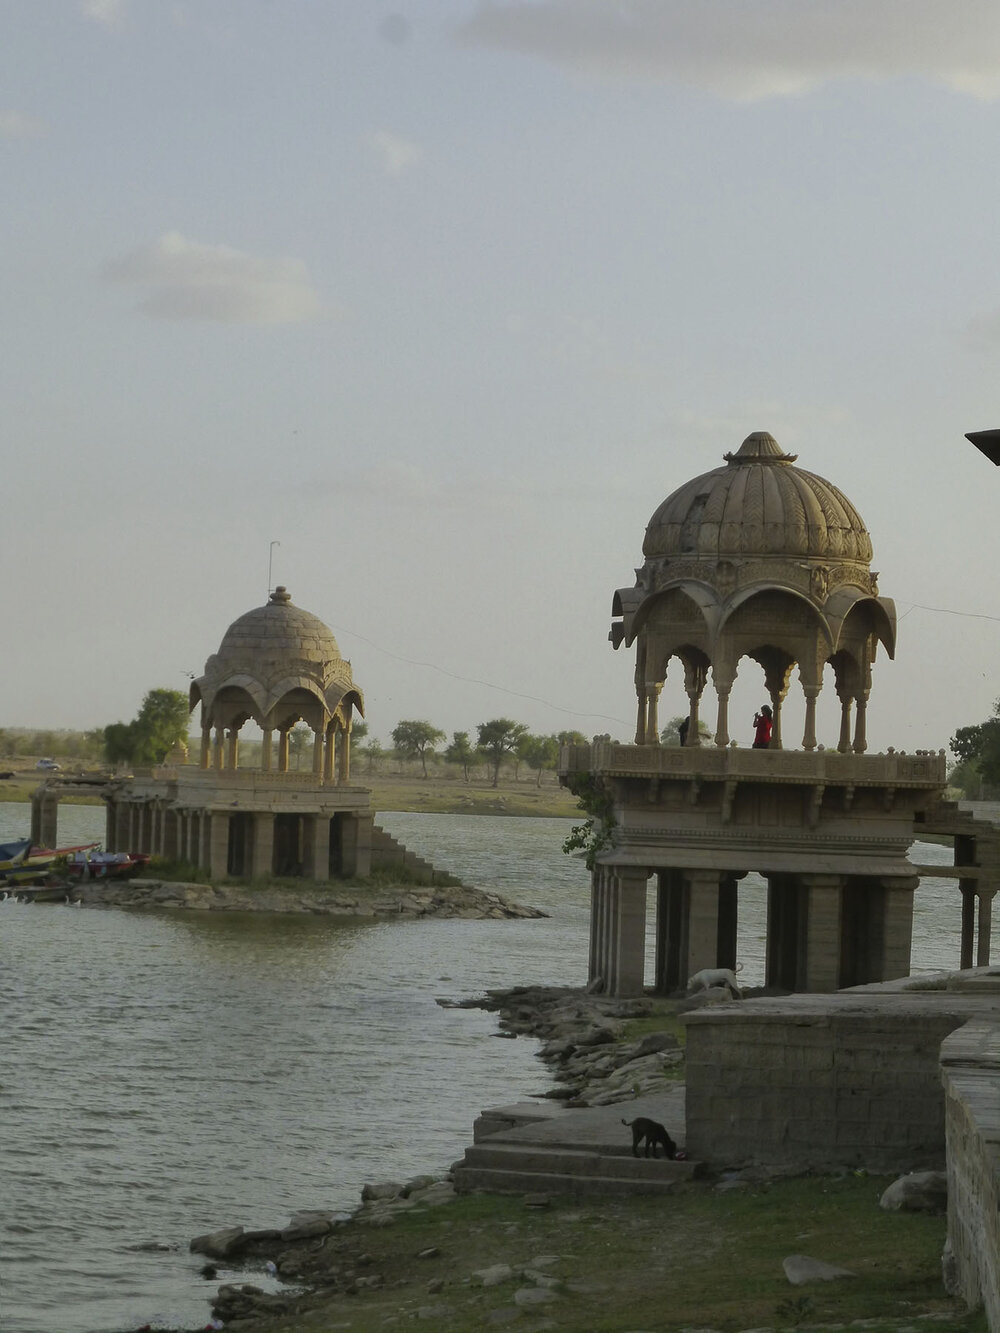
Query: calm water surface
column 163, row 1075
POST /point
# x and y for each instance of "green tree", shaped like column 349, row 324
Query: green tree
column 670, row 735
column 162, row 721
column 978, row 749
column 299, row 739
column 374, row 753
column 539, row 753
column 499, row 738
column 414, row 740
column 572, row 738
column 460, row 751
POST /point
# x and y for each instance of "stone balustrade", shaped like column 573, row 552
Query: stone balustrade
column 711, row 763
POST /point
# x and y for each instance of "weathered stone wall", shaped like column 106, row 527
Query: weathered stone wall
column 970, row 1069
column 813, row 1081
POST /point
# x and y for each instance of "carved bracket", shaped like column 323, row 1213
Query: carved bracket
column 728, row 794
column 815, row 801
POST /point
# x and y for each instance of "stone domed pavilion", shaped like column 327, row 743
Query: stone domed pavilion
column 276, row 666
column 763, row 560
column 755, row 565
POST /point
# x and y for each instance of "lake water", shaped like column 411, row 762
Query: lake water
column 163, row 1075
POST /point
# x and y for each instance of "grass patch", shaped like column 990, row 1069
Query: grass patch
column 664, row 1018
column 696, row 1258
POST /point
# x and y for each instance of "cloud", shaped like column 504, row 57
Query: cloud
column 16, row 125
column 185, row 279
column 106, row 12
column 397, row 154
column 749, row 49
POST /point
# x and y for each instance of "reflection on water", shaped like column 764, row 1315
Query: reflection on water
column 167, row 1074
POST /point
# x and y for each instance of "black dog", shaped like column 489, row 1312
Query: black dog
column 653, row 1133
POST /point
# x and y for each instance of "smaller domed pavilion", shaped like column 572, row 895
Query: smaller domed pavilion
column 757, row 566
column 276, row 666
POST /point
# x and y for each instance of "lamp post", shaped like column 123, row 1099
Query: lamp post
column 987, row 442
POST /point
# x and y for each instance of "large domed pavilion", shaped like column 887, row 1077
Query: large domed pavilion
column 759, row 561
column 756, row 559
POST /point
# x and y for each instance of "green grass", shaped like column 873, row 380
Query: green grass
column 697, row 1258
column 664, row 1018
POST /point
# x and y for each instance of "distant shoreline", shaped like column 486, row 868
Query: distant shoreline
column 432, row 795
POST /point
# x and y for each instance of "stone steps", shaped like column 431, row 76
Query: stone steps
column 518, row 1168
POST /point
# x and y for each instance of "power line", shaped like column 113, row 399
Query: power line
column 473, row 680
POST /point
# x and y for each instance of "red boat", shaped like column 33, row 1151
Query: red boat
column 88, row 864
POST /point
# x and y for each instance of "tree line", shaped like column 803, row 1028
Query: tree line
column 163, row 720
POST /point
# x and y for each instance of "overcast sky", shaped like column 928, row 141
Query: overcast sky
column 446, row 297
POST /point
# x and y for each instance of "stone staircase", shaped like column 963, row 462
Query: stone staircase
column 528, row 1156
column 390, row 854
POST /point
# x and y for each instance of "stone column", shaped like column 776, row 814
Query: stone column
column 670, row 896
column 809, row 734
column 860, row 719
column 345, row 755
column 265, row 750
column 844, row 743
column 169, row 839
column 702, row 922
column 233, row 749
column 219, row 845
column 283, row 750
column 985, row 927
column 722, row 722
column 328, row 753
column 818, row 966
column 218, row 749
column 206, row 746
column 653, row 689
column 318, row 847
column 640, row 717
column 968, row 889
column 317, row 765
column 897, row 926
column 262, row 858
column 205, row 840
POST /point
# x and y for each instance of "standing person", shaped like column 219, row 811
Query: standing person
column 762, row 725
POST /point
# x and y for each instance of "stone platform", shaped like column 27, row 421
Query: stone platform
column 542, row 1147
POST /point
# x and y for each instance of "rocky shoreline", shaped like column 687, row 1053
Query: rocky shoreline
column 326, row 1252
column 403, row 901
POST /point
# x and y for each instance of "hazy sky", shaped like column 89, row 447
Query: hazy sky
column 447, row 296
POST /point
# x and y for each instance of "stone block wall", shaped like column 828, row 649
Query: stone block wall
column 970, row 1071
column 819, row 1082
column 389, row 854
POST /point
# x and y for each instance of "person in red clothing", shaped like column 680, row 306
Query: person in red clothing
column 762, row 725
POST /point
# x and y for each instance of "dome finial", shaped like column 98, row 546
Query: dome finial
column 280, row 597
column 760, row 447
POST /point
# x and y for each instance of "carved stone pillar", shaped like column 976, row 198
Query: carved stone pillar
column 218, row 748
column 723, row 687
column 317, row 752
column 896, row 926
column 844, row 743
column 265, row 750
column 701, row 921
column 809, row 734
column 318, row 847
column 262, row 858
column 233, row 755
column 345, row 755
column 328, row 751
column 283, row 750
column 860, row 720
column 219, row 845
column 985, row 897
column 653, row 688
column 204, row 758
column 818, row 965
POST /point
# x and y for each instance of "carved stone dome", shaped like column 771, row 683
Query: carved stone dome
column 275, row 635
column 275, row 656
column 759, row 504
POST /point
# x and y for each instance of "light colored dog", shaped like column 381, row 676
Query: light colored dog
column 716, row 976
